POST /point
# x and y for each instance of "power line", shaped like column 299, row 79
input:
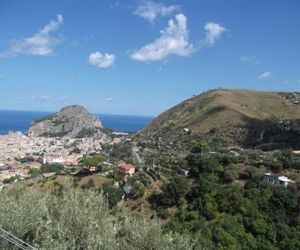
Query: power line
column 15, row 240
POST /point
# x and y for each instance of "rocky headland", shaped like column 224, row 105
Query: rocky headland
column 71, row 121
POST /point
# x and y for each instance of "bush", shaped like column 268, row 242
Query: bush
column 34, row 172
column 231, row 173
column 91, row 161
column 173, row 192
column 114, row 195
column 10, row 180
column 138, row 190
column 78, row 220
column 161, row 212
column 48, row 168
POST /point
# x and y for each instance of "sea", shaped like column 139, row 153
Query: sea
column 20, row 121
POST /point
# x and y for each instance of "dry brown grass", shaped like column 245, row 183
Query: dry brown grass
column 222, row 107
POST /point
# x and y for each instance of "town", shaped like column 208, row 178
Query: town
column 20, row 154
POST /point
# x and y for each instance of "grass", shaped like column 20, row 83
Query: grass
column 206, row 110
column 239, row 116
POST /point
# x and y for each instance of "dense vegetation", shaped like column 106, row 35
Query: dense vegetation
column 79, row 219
column 90, row 161
column 49, row 168
column 219, row 202
column 225, row 204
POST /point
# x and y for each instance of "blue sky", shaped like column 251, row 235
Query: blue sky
column 142, row 57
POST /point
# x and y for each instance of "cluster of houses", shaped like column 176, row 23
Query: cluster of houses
column 20, row 153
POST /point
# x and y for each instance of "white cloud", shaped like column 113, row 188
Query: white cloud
column 265, row 76
column 40, row 44
column 150, row 10
column 47, row 98
column 213, row 32
column 286, row 82
column 41, row 98
column 250, row 59
column 245, row 58
column 109, row 99
column 63, row 98
column 101, row 61
column 174, row 40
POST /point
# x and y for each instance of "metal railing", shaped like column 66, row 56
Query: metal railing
column 15, row 240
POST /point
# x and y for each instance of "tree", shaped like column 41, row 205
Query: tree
column 48, row 168
column 201, row 147
column 173, row 193
column 231, row 173
column 229, row 199
column 114, row 195
column 200, row 165
column 91, row 161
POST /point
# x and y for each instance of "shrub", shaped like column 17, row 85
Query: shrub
column 231, row 173
column 78, row 219
column 48, row 168
column 114, row 195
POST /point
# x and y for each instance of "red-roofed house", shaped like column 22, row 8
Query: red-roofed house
column 126, row 170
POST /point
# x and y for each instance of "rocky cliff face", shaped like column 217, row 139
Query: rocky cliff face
column 72, row 121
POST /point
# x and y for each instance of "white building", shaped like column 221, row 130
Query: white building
column 277, row 180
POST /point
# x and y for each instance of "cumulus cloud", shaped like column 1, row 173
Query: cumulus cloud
column 150, row 10
column 174, row 40
column 265, row 75
column 40, row 44
column 101, row 61
column 213, row 32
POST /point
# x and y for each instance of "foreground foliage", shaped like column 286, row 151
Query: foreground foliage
column 78, row 219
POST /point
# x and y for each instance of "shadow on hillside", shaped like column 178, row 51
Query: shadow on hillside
column 271, row 134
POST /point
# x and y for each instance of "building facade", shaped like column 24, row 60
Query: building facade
column 277, row 180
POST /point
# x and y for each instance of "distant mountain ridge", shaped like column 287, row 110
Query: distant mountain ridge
column 71, row 121
column 237, row 116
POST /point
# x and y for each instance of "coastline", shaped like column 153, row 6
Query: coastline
column 16, row 120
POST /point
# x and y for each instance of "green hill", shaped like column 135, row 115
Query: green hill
column 237, row 116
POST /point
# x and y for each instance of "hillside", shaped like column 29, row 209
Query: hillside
column 71, row 121
column 236, row 117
